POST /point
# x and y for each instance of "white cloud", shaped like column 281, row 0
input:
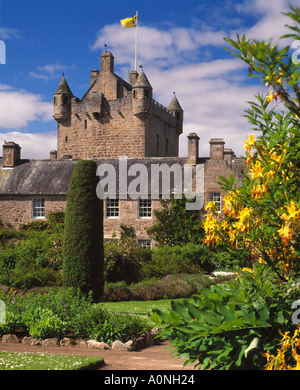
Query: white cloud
column 19, row 107
column 34, row 146
column 49, row 71
column 271, row 22
column 9, row 33
column 213, row 92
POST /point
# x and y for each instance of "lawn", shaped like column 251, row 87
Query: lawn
column 43, row 361
column 142, row 308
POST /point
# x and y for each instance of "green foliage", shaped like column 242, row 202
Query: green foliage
column 83, row 234
column 169, row 287
column 220, row 326
column 58, row 312
column 31, row 259
column 175, row 225
column 189, row 258
column 43, row 324
column 123, row 260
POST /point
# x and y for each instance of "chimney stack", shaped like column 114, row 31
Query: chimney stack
column 228, row 156
column 107, row 62
column 133, row 75
column 217, row 149
column 193, row 148
column 53, row 155
column 11, row 154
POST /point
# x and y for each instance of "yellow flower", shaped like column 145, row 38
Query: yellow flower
column 259, row 191
column 286, row 234
column 249, row 142
column 256, row 170
column 271, row 96
column 292, row 211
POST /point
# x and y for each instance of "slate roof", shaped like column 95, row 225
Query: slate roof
column 142, row 81
column 52, row 177
column 37, row 177
column 64, row 88
column 46, row 177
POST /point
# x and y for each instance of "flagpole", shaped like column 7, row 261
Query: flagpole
column 136, row 40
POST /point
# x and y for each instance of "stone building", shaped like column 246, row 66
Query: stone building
column 114, row 121
column 115, row 118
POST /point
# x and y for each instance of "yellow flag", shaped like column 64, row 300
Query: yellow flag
column 129, row 22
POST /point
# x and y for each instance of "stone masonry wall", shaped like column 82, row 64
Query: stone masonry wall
column 16, row 210
column 213, row 169
column 128, row 215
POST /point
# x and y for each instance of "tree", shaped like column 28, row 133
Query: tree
column 236, row 326
column 175, row 225
column 83, row 254
column 263, row 214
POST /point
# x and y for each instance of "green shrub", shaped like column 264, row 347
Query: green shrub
column 45, row 324
column 58, row 312
column 56, row 218
column 123, row 260
column 175, row 225
column 83, row 232
column 169, row 287
column 230, row 326
column 120, row 327
column 34, row 226
column 189, row 258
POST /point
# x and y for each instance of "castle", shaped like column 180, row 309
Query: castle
column 114, row 119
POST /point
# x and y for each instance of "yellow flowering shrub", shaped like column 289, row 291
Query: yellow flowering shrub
column 288, row 355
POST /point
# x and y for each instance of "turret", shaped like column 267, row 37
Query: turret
column 62, row 101
column 142, row 96
column 177, row 111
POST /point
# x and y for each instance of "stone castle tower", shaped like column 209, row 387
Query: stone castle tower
column 115, row 118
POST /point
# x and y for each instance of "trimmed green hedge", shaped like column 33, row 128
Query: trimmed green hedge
column 83, row 253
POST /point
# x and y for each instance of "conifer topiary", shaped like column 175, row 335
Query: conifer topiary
column 83, row 254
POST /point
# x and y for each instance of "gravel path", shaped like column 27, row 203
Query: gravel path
column 152, row 358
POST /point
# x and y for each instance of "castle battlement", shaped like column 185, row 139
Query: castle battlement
column 115, row 118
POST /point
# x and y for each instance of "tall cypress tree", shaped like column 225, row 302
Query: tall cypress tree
column 83, row 254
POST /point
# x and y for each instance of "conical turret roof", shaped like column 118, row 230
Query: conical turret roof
column 64, row 87
column 174, row 105
column 142, row 81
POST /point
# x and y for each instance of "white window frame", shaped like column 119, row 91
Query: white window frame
column 216, row 197
column 144, row 243
column 112, row 207
column 145, row 209
column 38, row 208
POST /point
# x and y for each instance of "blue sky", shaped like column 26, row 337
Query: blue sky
column 181, row 48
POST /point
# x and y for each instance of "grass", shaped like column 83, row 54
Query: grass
column 42, row 361
column 142, row 308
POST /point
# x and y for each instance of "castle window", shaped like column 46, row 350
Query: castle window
column 167, row 145
column 157, row 141
column 144, row 243
column 112, row 208
column 146, row 94
column 216, row 197
column 38, row 208
column 145, row 208
column 85, row 124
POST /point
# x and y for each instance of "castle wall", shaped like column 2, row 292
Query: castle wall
column 116, row 133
